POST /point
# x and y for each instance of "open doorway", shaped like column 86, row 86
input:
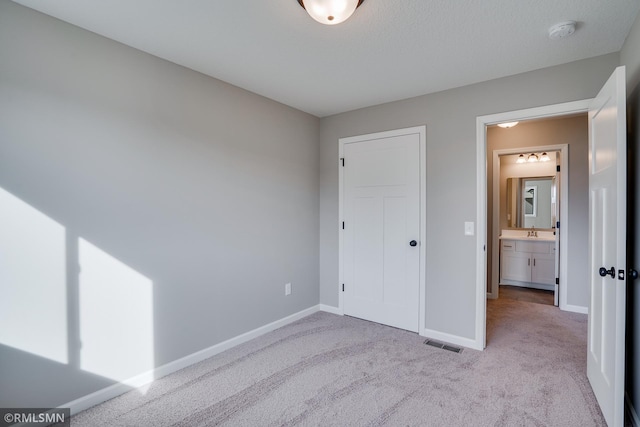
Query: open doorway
column 574, row 297
column 566, row 136
column 526, row 209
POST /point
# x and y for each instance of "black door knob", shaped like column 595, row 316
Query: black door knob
column 604, row 272
column 633, row 274
column 413, row 243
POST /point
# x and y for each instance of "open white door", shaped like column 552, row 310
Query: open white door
column 555, row 202
column 607, row 234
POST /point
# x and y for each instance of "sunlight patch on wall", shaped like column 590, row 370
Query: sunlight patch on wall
column 116, row 316
column 33, row 293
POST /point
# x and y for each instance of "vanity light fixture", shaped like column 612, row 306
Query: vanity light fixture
column 507, row 125
column 521, row 159
column 330, row 12
column 545, row 157
column 532, row 158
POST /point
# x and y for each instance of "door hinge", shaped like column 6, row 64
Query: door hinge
column 558, row 224
column 557, row 168
column 343, row 287
column 343, row 225
column 342, row 160
column 557, row 280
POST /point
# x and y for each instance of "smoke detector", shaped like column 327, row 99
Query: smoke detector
column 562, row 30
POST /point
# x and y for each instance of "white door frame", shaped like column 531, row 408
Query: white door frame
column 422, row 133
column 481, row 178
column 564, row 212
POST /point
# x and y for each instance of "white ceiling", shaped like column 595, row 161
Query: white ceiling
column 388, row 50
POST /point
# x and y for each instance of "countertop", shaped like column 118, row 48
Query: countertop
column 529, row 239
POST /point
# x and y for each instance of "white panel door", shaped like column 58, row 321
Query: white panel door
column 556, row 219
column 381, row 212
column 607, row 234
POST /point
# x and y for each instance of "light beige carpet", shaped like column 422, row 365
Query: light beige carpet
column 332, row 370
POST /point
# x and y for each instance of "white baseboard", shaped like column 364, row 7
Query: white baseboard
column 635, row 421
column 575, row 308
column 331, row 309
column 114, row 390
column 451, row 339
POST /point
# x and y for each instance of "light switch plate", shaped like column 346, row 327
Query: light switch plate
column 469, row 229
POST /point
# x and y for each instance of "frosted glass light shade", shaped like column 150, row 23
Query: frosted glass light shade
column 330, row 12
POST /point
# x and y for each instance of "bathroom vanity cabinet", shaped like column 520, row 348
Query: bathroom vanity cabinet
column 528, row 263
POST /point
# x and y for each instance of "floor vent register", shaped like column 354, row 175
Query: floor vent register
column 448, row 347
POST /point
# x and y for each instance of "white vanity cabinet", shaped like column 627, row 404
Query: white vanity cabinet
column 528, row 263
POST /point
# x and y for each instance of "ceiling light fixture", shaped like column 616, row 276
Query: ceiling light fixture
column 562, row 30
column 532, row 158
column 507, row 125
column 545, row 157
column 521, row 159
column 330, row 12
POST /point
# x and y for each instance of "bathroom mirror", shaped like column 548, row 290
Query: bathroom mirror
column 531, row 202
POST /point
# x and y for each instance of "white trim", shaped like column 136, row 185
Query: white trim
column 575, row 308
column 423, row 229
column 330, row 309
column 114, row 390
column 451, row 339
column 480, row 341
column 564, row 214
column 340, row 233
column 635, row 421
column 481, row 178
column 495, row 221
column 422, row 133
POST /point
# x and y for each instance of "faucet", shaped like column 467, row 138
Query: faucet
column 532, row 232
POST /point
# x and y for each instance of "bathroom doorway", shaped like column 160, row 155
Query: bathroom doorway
column 566, row 136
column 526, row 201
column 575, row 295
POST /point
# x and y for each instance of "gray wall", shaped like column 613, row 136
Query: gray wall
column 450, row 117
column 630, row 57
column 573, row 131
column 209, row 191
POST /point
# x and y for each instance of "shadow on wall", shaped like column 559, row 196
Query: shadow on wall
column 67, row 307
